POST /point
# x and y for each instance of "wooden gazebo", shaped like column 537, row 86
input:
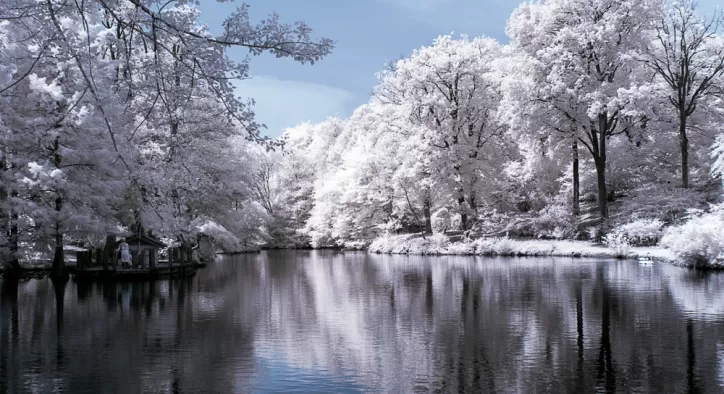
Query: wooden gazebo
column 144, row 251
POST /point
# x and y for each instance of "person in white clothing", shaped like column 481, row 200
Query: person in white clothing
column 125, row 254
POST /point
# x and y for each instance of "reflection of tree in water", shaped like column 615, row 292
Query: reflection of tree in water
column 606, row 374
column 400, row 323
column 132, row 337
column 9, row 333
column 545, row 327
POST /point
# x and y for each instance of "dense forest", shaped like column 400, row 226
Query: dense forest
column 598, row 120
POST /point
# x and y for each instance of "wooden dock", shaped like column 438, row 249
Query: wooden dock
column 145, row 265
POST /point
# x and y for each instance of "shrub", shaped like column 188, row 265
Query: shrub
column 619, row 242
column 456, row 221
column 593, row 233
column 699, row 241
column 642, row 232
column 439, row 241
column 440, row 220
column 501, row 246
column 554, row 221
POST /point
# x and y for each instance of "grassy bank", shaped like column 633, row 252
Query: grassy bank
column 415, row 244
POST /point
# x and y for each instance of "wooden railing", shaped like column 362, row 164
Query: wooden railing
column 147, row 260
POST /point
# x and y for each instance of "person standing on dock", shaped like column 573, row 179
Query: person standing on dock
column 125, row 254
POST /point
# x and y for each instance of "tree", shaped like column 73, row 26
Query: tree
column 688, row 56
column 585, row 49
column 531, row 109
column 451, row 93
column 120, row 114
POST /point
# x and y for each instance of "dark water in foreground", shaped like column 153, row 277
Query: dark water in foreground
column 335, row 322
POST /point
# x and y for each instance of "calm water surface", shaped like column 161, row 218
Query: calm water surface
column 352, row 322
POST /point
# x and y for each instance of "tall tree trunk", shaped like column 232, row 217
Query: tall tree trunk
column 600, row 161
column 8, row 222
column 13, row 240
column 426, row 208
column 684, row 145
column 109, row 250
column 4, row 212
column 58, row 268
column 463, row 211
column 576, row 181
column 602, row 193
column 473, row 203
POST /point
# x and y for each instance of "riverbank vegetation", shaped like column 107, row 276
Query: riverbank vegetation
column 120, row 116
column 597, row 121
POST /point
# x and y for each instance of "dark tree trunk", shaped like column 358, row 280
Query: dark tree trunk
column 4, row 211
column 13, row 239
column 58, row 268
column 684, row 145
column 9, row 225
column 600, row 161
column 463, row 211
column 109, row 250
column 576, row 181
column 473, row 203
column 14, row 262
column 601, row 183
column 426, row 208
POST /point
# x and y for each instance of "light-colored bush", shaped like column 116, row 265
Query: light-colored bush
column 593, row 233
column 439, row 241
column 500, row 246
column 456, row 222
column 619, row 242
column 642, row 232
column 699, row 241
column 440, row 220
column 554, row 221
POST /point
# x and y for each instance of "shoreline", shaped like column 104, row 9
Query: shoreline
column 413, row 244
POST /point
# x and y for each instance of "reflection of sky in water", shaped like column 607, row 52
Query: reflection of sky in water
column 698, row 295
column 273, row 374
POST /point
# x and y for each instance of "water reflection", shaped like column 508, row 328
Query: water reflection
column 350, row 322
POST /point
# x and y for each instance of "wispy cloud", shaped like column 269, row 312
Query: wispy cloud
column 281, row 104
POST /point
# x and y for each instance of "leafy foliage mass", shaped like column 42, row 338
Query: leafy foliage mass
column 599, row 120
column 117, row 115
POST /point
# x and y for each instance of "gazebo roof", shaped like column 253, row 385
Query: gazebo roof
column 144, row 240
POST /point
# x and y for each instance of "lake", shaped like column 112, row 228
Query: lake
column 324, row 321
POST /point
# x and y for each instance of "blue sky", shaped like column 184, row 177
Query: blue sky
column 367, row 33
